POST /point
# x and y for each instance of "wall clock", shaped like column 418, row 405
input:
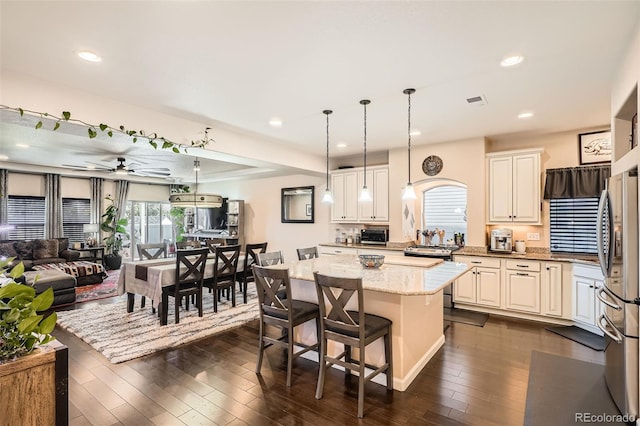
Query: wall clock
column 432, row 165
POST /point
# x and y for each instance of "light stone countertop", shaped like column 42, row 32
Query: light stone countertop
column 531, row 254
column 398, row 275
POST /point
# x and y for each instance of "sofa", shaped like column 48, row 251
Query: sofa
column 38, row 252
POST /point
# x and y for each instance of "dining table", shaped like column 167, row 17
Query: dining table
column 147, row 277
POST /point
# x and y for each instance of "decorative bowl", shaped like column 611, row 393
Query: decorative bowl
column 371, row 260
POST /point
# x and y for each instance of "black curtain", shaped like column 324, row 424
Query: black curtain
column 576, row 182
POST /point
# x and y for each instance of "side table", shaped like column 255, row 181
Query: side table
column 95, row 254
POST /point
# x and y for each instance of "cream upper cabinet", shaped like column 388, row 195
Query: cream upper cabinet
column 378, row 183
column 514, row 187
column 344, row 186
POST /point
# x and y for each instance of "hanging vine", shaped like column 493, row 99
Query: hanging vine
column 92, row 130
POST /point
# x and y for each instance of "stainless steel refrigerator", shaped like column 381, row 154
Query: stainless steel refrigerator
column 618, row 255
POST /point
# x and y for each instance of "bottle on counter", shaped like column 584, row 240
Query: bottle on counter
column 350, row 239
column 338, row 236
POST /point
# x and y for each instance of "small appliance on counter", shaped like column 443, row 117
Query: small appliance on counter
column 501, row 240
column 374, row 236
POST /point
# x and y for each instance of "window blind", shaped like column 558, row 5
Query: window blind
column 27, row 216
column 445, row 207
column 75, row 213
column 573, row 225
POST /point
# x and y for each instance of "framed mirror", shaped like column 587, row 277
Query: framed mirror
column 297, row 204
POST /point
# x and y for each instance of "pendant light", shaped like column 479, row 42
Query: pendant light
column 328, row 197
column 365, row 196
column 409, row 192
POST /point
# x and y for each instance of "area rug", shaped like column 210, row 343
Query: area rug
column 466, row 317
column 107, row 288
column 122, row 336
column 579, row 335
column 566, row 391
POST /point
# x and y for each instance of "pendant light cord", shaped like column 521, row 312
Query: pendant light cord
column 409, row 133
column 327, row 112
column 365, row 102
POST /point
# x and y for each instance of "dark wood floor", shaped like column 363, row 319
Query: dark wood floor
column 479, row 377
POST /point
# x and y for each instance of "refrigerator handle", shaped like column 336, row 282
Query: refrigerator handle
column 604, row 258
column 602, row 298
column 615, row 335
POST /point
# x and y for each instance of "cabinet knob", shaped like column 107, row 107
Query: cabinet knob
column 591, row 286
column 548, row 269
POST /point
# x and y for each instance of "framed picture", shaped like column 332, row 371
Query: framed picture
column 634, row 131
column 595, row 147
column 308, row 209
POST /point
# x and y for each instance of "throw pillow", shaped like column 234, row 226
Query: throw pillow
column 7, row 250
column 63, row 244
column 45, row 249
column 24, row 249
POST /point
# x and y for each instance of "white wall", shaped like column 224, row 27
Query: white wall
column 262, row 212
column 147, row 192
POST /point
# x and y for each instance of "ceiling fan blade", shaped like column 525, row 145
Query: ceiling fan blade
column 153, row 169
column 87, row 168
column 150, row 173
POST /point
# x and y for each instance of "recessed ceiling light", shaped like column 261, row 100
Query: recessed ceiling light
column 275, row 122
column 22, row 145
column 89, row 56
column 525, row 115
column 415, row 132
column 341, row 145
column 511, row 60
column 3, row 157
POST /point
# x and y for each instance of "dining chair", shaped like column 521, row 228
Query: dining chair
column 190, row 244
column 189, row 278
column 307, row 253
column 224, row 274
column 271, row 258
column 151, row 251
column 354, row 329
column 250, row 257
column 284, row 313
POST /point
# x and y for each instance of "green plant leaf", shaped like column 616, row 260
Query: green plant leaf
column 66, row 115
column 110, row 133
column 92, row 132
column 13, row 290
column 49, row 323
column 21, row 111
column 46, row 114
column 38, row 124
column 135, row 140
column 103, row 127
column 176, row 150
column 29, row 324
column 56, row 126
column 122, row 128
column 12, row 316
column 153, row 144
column 166, row 145
column 43, row 301
column 17, row 271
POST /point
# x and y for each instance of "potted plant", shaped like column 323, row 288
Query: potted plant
column 115, row 230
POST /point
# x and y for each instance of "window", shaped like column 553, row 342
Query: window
column 75, row 213
column 445, row 208
column 26, row 215
column 149, row 222
column 573, row 225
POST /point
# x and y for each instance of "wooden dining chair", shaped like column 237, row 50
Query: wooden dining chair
column 281, row 312
column 307, row 253
column 352, row 328
column 224, row 274
column 151, row 251
column 250, row 257
column 212, row 242
column 191, row 244
column 271, row 258
column 189, row 278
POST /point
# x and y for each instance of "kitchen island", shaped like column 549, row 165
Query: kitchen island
column 406, row 290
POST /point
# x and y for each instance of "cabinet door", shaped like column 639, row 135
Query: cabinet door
column 381, row 195
column 526, row 188
column 464, row 288
column 523, row 291
column 488, row 287
column 584, row 302
column 552, row 290
column 351, row 196
column 500, row 189
column 365, row 210
column 337, row 187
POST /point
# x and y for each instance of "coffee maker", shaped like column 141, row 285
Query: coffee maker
column 501, row 240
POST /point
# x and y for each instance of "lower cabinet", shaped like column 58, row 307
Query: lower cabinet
column 522, row 286
column 552, row 291
column 481, row 285
column 586, row 308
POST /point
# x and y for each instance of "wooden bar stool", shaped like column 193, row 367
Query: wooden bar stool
column 351, row 328
column 307, row 253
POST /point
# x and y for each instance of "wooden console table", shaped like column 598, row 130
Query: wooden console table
column 95, row 253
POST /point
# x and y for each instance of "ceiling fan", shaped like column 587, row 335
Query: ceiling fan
column 124, row 169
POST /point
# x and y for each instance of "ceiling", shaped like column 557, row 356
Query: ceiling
column 236, row 65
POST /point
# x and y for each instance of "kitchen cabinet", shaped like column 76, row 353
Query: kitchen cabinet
column 325, row 250
column 552, row 289
column 378, row 183
column 480, row 285
column 344, row 186
column 586, row 307
column 522, row 286
column 235, row 219
column 514, row 187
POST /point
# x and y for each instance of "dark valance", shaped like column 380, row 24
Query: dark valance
column 576, row 182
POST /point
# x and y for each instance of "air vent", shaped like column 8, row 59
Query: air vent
column 477, row 100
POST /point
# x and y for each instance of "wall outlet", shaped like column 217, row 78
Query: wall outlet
column 533, row 236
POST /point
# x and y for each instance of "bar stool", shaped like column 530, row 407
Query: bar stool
column 307, row 253
column 351, row 328
column 269, row 258
column 282, row 312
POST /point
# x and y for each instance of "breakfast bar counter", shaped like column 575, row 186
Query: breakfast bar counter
column 406, row 290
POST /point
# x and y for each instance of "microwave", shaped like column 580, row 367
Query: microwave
column 374, row 236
